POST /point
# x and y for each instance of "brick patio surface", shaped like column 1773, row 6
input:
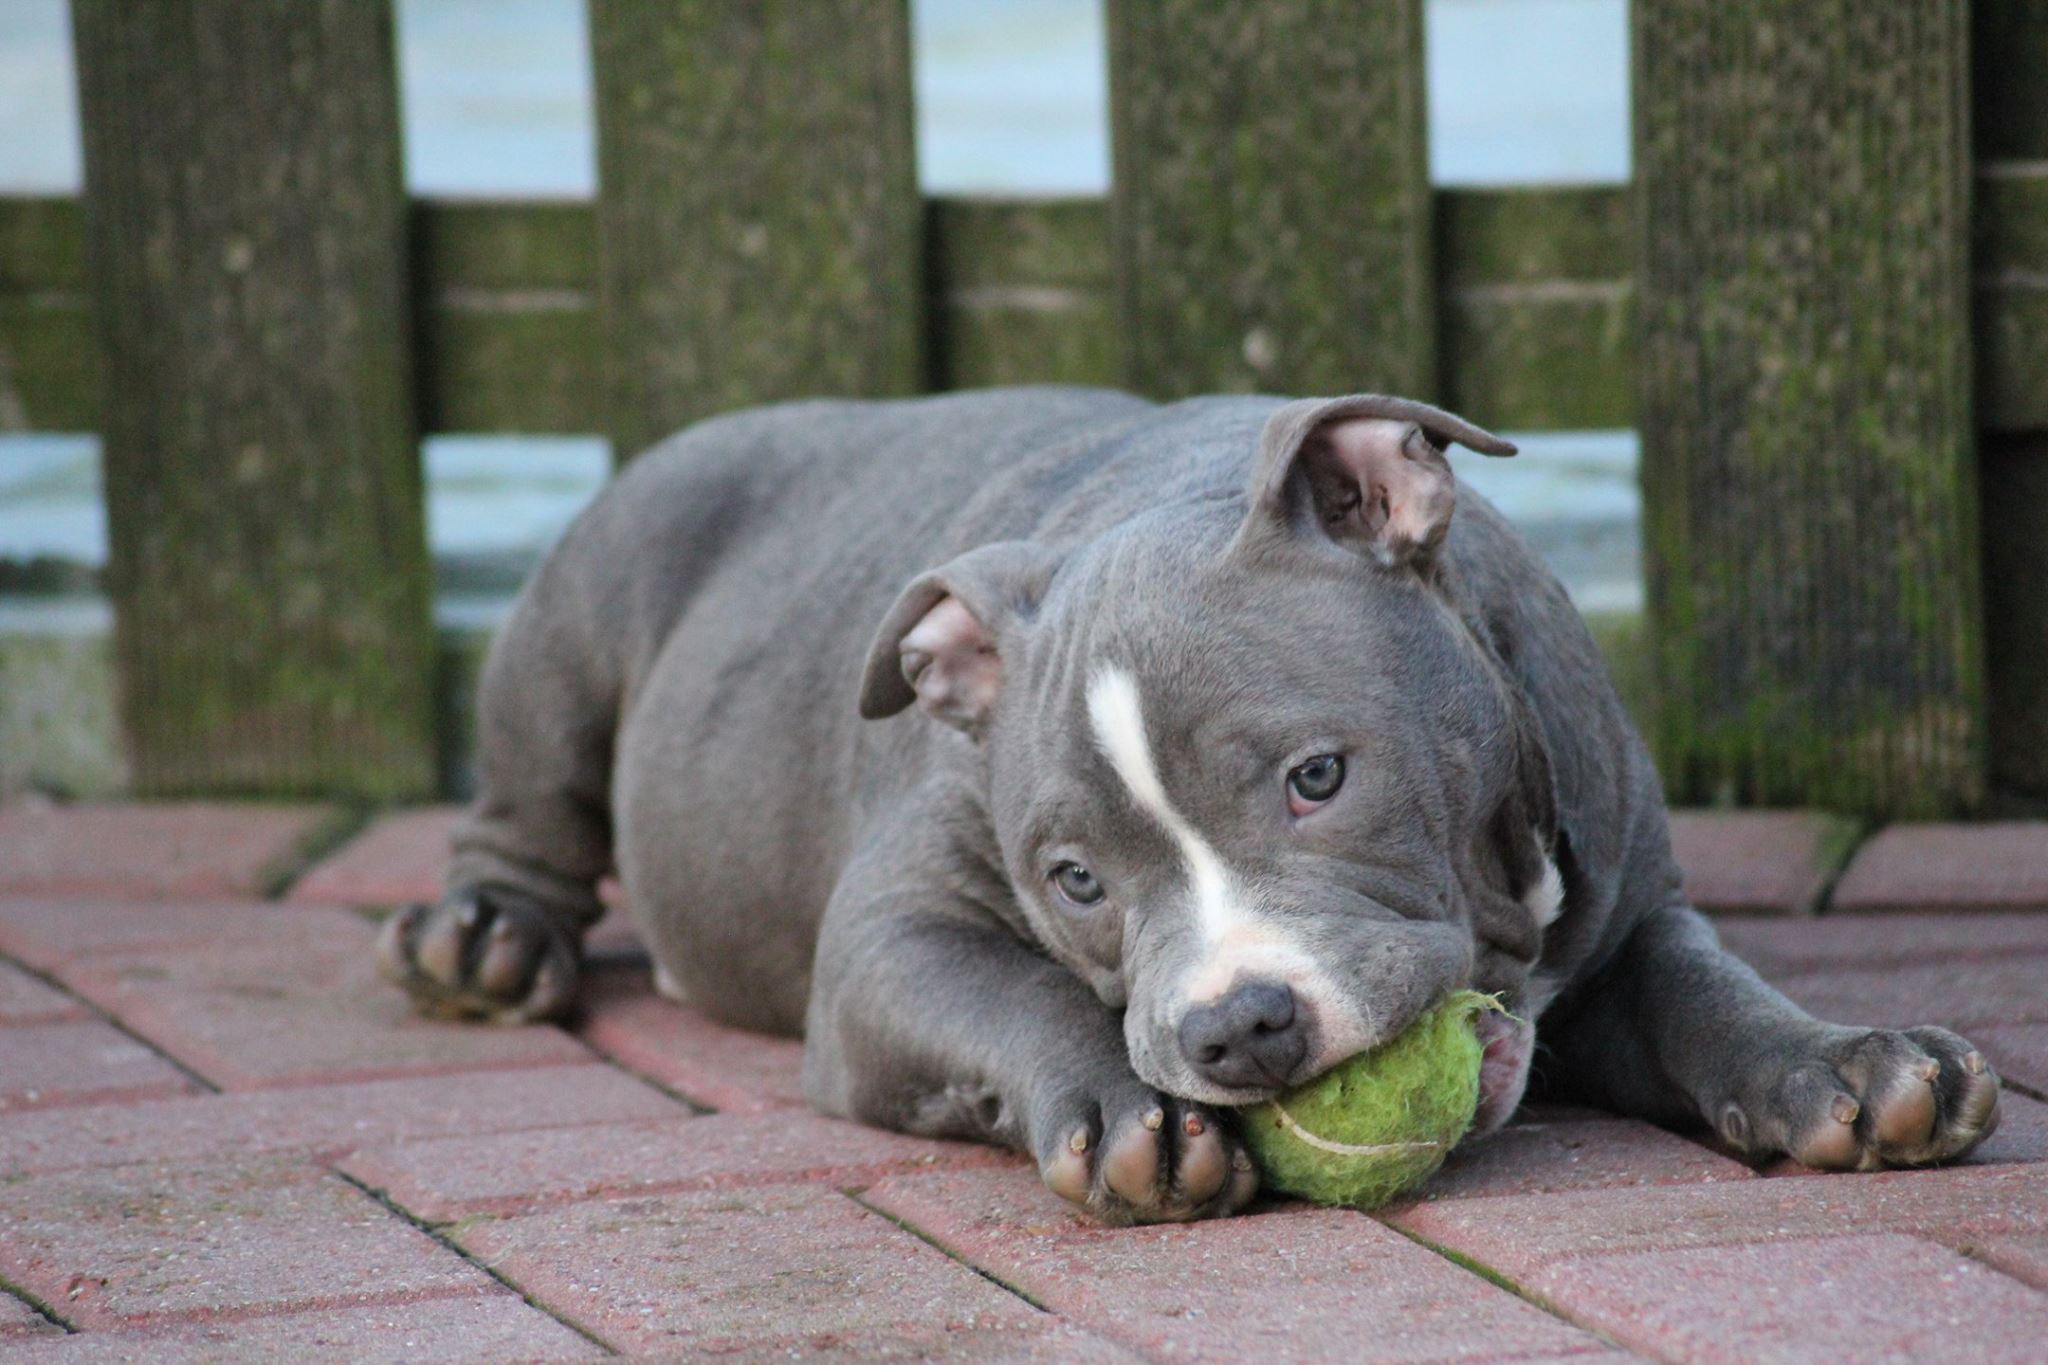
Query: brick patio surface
column 222, row 1138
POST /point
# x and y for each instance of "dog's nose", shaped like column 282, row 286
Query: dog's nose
column 1253, row 1036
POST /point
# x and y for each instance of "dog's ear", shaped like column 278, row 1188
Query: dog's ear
column 941, row 645
column 1367, row 472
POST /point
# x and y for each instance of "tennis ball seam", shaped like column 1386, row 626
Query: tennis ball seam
column 1316, row 1140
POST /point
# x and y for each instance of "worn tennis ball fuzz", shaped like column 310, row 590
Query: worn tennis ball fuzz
column 1381, row 1123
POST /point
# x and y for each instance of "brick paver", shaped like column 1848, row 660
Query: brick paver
column 19, row 1322
column 720, row 1068
column 1958, row 993
column 1515, row 1235
column 764, row 1265
column 493, row 1326
column 174, row 1224
column 80, row 1061
column 1299, row 1284
column 1534, row 1156
column 1950, row 867
column 25, row 1000
column 126, row 1243
column 460, row 1177
column 1783, row 947
column 51, row 934
column 2024, row 1257
column 1882, row 1298
column 1766, row 862
column 326, row 1120
column 147, row 851
column 2020, row 1052
column 291, row 998
column 399, row 859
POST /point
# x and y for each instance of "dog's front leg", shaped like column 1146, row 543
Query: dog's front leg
column 930, row 1016
column 1676, row 1029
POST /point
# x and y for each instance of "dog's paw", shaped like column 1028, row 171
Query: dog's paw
column 1129, row 1154
column 1868, row 1099
column 480, row 954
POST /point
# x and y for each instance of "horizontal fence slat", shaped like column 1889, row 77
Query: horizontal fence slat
column 1536, row 312
column 1019, row 292
column 2010, row 231
column 505, row 314
column 1534, row 306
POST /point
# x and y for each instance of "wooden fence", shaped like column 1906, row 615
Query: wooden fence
column 1824, row 301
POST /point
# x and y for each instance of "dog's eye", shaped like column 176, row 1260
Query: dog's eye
column 1314, row 782
column 1076, row 884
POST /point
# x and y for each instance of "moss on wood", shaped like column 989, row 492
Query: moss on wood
column 246, row 246
column 1808, row 462
column 758, row 218
column 1271, row 207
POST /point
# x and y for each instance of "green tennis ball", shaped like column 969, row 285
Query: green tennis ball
column 1381, row 1123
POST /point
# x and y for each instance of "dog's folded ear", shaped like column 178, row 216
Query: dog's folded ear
column 1368, row 472
column 941, row 645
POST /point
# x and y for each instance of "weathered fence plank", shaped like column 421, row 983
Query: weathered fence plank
column 758, row 217
column 2010, row 129
column 49, row 358
column 1535, row 301
column 1536, row 308
column 1019, row 292
column 1808, row 463
column 505, row 300
column 245, row 233
column 1271, row 207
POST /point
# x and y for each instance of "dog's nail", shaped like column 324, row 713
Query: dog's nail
column 467, row 915
column 1974, row 1063
column 1241, row 1160
column 1846, row 1109
column 1735, row 1125
column 1155, row 1120
column 1078, row 1143
column 1194, row 1126
column 1928, row 1070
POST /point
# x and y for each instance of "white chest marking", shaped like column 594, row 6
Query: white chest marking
column 1546, row 898
column 1119, row 723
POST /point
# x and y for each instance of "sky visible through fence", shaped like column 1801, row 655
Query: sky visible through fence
column 1011, row 100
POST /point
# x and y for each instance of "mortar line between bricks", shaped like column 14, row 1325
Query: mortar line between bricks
column 1824, row 899
column 696, row 1106
column 326, row 836
column 58, row 1319
column 857, row 1196
column 405, row 1215
column 113, row 1021
column 1500, row 1281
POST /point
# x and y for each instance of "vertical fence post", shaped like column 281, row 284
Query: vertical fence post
column 2009, row 42
column 245, row 221
column 759, row 225
column 1270, row 213
column 1810, row 493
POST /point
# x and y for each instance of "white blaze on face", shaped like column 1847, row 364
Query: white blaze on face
column 1236, row 940
column 1119, row 722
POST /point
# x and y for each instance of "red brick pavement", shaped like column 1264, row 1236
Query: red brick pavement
column 150, row 851
column 1766, row 862
column 220, row 1136
column 395, row 861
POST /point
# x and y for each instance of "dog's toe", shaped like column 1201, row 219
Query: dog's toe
column 1136, row 1156
column 480, row 956
column 1872, row 1099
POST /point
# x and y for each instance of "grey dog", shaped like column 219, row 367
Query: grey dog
column 1067, row 768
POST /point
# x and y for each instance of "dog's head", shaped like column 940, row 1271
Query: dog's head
column 1255, row 778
